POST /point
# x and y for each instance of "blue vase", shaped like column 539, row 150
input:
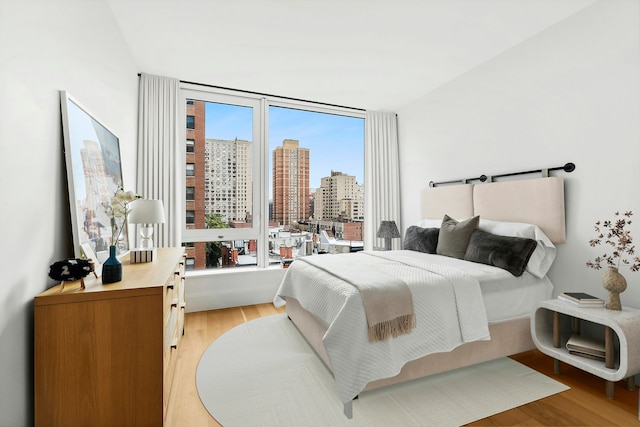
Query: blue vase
column 112, row 267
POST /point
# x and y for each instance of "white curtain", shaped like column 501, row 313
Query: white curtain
column 382, row 176
column 158, row 152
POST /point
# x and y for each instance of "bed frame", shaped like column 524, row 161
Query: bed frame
column 535, row 201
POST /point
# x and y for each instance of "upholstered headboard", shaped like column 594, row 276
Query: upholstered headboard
column 537, row 201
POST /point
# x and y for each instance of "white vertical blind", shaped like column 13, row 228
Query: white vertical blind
column 382, row 177
column 159, row 155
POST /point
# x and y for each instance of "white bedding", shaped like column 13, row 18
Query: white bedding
column 505, row 297
column 355, row 361
column 449, row 312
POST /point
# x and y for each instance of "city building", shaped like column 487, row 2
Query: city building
column 339, row 198
column 228, row 179
column 290, row 183
column 195, row 179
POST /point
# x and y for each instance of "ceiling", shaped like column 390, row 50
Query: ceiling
column 371, row 54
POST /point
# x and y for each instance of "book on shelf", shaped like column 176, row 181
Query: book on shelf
column 586, row 347
column 581, row 299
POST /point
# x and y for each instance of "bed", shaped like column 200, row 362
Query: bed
column 465, row 311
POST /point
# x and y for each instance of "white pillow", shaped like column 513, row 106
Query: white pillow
column 542, row 257
column 545, row 252
column 430, row 223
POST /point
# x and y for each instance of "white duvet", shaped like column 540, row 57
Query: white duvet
column 447, row 302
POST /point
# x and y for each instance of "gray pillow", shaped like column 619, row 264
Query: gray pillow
column 454, row 236
column 507, row 252
column 421, row 239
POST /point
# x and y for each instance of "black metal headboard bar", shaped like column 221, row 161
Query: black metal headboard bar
column 568, row 167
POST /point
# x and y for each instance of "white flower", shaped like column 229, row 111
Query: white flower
column 118, row 209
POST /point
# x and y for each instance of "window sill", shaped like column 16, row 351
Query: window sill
column 230, row 270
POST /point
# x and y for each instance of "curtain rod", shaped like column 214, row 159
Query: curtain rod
column 568, row 167
column 269, row 95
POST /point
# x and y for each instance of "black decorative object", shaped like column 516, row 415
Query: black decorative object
column 70, row 270
column 112, row 267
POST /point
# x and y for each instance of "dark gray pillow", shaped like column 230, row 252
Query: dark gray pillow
column 509, row 253
column 454, row 236
column 421, row 239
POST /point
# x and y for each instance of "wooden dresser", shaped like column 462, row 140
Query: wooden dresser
column 106, row 355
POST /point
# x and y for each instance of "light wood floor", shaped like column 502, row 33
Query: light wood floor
column 585, row 404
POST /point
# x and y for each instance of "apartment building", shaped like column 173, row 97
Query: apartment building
column 290, row 183
column 228, row 179
column 339, row 197
column 194, row 185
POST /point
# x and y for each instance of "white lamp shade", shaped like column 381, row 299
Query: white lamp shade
column 144, row 211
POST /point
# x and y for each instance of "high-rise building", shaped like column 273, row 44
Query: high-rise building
column 228, row 179
column 290, row 183
column 339, row 197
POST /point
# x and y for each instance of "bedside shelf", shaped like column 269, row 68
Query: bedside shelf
column 622, row 362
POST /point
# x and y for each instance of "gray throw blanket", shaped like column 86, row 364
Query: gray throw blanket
column 387, row 300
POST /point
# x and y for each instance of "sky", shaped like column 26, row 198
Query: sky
column 335, row 142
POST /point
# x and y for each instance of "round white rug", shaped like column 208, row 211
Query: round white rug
column 263, row 373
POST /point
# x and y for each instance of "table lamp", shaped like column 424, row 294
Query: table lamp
column 146, row 212
column 388, row 230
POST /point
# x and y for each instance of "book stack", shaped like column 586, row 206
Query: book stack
column 581, row 299
column 586, row 347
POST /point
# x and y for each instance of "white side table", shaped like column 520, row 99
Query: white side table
column 620, row 363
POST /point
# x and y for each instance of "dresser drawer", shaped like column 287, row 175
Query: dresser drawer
column 171, row 328
column 171, row 358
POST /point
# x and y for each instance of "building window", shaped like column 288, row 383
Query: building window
column 190, row 193
column 190, row 169
column 191, row 146
column 190, row 217
column 191, row 120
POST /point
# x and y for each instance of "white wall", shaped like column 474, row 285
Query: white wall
column 47, row 46
column 231, row 287
column 569, row 94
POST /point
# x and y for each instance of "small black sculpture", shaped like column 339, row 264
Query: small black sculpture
column 72, row 269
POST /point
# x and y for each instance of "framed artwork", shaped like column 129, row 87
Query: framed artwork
column 94, row 172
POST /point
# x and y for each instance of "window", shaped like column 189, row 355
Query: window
column 190, row 217
column 250, row 187
column 190, row 193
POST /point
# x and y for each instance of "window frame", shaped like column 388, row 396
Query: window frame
column 260, row 161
